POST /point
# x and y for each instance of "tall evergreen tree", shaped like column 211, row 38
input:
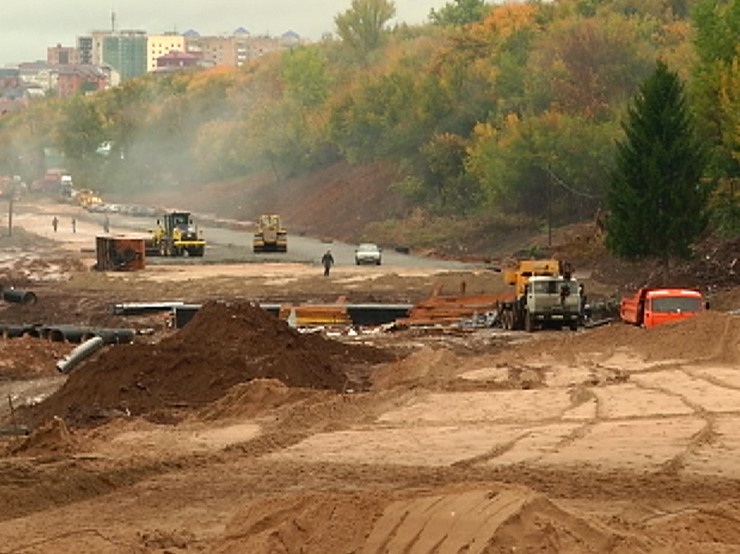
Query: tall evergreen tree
column 656, row 200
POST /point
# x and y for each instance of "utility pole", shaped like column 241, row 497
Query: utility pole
column 549, row 211
column 10, row 217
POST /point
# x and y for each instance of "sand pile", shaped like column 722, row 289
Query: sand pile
column 427, row 367
column 224, row 344
column 494, row 519
column 52, row 437
column 247, row 400
column 710, row 336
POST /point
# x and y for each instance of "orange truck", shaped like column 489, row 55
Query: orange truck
column 650, row 307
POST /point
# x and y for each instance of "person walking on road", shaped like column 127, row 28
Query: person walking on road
column 74, row 225
column 106, row 225
column 55, row 223
column 327, row 260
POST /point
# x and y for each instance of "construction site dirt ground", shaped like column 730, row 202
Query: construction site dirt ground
column 239, row 434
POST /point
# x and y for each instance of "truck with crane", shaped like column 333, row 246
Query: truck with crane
column 545, row 295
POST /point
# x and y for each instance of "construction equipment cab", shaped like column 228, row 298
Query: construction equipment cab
column 545, row 295
column 176, row 235
column 270, row 235
column 650, row 307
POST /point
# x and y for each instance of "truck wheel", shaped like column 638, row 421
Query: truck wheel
column 528, row 322
column 574, row 325
column 507, row 318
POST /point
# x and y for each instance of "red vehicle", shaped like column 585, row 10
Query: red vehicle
column 651, row 307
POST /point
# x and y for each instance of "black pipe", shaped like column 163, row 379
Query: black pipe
column 68, row 333
column 19, row 296
column 115, row 336
column 13, row 331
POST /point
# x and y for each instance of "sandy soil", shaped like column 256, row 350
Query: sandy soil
column 613, row 439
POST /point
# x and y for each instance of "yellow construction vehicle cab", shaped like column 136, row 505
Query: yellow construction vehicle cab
column 529, row 268
column 175, row 235
column 270, row 235
column 87, row 198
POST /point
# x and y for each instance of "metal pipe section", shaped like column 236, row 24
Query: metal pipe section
column 135, row 308
column 19, row 296
column 68, row 333
column 84, row 350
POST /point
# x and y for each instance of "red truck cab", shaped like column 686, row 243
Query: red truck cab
column 651, row 307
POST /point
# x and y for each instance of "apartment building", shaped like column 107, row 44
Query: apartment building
column 161, row 45
column 80, row 79
column 235, row 50
column 62, row 55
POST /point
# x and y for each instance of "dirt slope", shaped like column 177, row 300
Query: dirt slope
column 337, row 202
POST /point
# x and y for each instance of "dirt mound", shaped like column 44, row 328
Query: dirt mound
column 52, row 437
column 708, row 336
column 29, row 357
column 251, row 399
column 224, row 344
column 494, row 519
column 701, row 527
column 425, row 367
column 312, row 523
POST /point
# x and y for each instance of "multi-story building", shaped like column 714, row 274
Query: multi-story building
column 235, row 50
column 160, row 45
column 175, row 61
column 61, row 55
column 36, row 74
column 80, row 79
column 85, row 50
column 126, row 53
column 64, row 80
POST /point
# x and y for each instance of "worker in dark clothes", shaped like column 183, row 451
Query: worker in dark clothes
column 55, row 223
column 327, row 260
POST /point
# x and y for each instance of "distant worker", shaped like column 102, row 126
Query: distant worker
column 74, row 225
column 327, row 260
column 55, row 223
column 106, row 224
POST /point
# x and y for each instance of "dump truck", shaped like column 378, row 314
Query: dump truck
column 270, row 235
column 545, row 295
column 649, row 307
column 175, row 235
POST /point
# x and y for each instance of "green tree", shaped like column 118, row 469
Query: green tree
column 450, row 187
column 551, row 166
column 656, row 200
column 459, row 12
column 304, row 74
column 81, row 129
column 361, row 26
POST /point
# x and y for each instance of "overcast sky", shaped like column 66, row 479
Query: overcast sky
column 28, row 27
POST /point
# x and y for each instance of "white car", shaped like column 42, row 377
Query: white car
column 368, row 253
